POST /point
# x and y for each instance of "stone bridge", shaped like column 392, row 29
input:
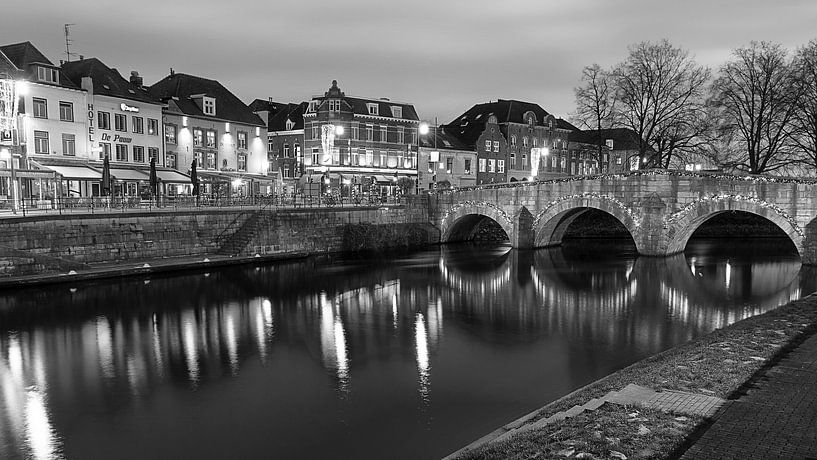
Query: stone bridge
column 661, row 209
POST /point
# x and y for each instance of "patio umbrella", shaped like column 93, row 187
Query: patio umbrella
column 106, row 177
column 194, row 178
column 154, row 182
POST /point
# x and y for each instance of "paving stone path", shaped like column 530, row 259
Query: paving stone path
column 777, row 418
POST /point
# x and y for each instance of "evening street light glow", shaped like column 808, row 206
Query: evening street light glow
column 423, row 128
column 339, row 130
column 21, row 87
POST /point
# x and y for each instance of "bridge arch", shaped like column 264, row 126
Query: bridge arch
column 550, row 225
column 460, row 222
column 682, row 224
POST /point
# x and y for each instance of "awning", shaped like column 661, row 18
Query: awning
column 75, row 172
column 129, row 174
column 212, row 176
column 28, row 173
column 383, row 179
column 169, row 176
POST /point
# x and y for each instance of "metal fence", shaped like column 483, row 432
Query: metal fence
column 85, row 205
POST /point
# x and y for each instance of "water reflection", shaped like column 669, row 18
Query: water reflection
column 471, row 325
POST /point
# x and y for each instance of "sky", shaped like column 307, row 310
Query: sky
column 443, row 56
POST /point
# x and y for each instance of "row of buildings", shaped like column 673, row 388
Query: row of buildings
column 59, row 123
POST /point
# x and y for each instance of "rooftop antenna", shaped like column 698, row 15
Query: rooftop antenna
column 68, row 41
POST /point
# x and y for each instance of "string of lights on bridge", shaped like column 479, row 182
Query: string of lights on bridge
column 683, row 212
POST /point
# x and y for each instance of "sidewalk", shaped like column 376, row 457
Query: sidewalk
column 142, row 267
column 777, row 418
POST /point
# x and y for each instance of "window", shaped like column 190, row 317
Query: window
column 449, row 164
column 286, row 150
column 170, row 160
column 106, row 150
column 482, row 165
column 66, row 111
column 500, row 166
column 270, row 145
column 138, row 154
column 153, row 153
column 467, row 167
column 153, row 126
column 373, row 109
column 211, row 160
column 199, row 159
column 313, row 105
column 491, row 165
column 316, row 155
column 46, row 74
column 103, row 120
column 316, row 132
column 384, row 134
column 120, row 122
column 41, row 142
column 211, row 139
column 68, row 144
column 355, row 132
column 242, row 139
column 487, row 145
column 401, row 135
column 431, row 166
column 334, row 105
column 297, row 150
column 170, row 134
column 534, row 141
column 209, row 104
column 290, row 125
column 496, row 146
column 242, row 162
column 121, row 152
column 369, row 133
column 369, row 157
column 40, row 108
column 525, row 141
column 618, row 160
column 198, row 138
column 513, row 139
column 396, row 112
column 138, row 125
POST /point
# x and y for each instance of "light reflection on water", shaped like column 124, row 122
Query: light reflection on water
column 412, row 357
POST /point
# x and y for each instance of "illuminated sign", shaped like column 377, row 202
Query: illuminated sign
column 128, row 108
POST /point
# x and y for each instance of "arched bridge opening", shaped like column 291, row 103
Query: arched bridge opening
column 476, row 227
column 586, row 218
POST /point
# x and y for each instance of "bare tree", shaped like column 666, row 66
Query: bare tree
column 660, row 90
column 754, row 95
column 804, row 118
column 596, row 104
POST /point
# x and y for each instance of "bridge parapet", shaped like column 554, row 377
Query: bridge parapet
column 660, row 208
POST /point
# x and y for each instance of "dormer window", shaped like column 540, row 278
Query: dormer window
column 373, row 109
column 290, row 125
column 313, row 107
column 530, row 119
column 396, row 112
column 334, row 105
column 47, row 75
column 492, row 119
column 209, row 106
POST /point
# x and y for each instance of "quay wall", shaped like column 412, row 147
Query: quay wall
column 57, row 244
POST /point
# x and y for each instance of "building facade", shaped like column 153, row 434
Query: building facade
column 444, row 162
column 285, row 144
column 205, row 122
column 355, row 145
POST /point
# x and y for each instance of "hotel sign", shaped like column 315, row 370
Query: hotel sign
column 128, row 108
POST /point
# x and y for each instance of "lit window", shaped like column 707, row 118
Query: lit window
column 286, row 150
column 297, row 150
column 316, row 132
column 449, row 164
column 66, row 111
column 68, row 144
column 242, row 162
column 198, row 138
column 211, row 160
column 170, row 134
column 491, row 165
column 525, row 141
column 513, row 139
column 482, row 165
column 211, row 139
column 496, row 146
column 170, row 160
column 41, row 142
column 487, row 145
column 40, row 108
column 103, row 120
column 467, row 166
column 153, row 126
column 500, row 166
column 199, row 159
column 138, row 154
column 313, row 106
column 242, row 140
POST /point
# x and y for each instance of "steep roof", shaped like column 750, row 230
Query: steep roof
column 260, row 105
column 360, row 105
column 107, row 81
column 623, row 138
column 181, row 87
column 293, row 112
column 444, row 140
column 24, row 56
column 468, row 126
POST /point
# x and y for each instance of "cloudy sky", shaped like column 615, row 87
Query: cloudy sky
column 442, row 55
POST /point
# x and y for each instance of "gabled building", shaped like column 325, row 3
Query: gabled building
column 205, row 122
column 514, row 140
column 444, row 162
column 123, row 125
column 621, row 144
column 52, row 126
column 285, row 144
column 358, row 144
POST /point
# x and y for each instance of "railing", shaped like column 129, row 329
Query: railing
column 81, row 205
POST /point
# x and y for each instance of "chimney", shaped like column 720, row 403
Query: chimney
column 172, row 72
column 135, row 78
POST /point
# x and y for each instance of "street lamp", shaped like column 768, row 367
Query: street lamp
column 10, row 92
column 433, row 156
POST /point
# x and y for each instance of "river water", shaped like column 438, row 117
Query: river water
column 409, row 355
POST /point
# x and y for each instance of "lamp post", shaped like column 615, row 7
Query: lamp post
column 8, row 157
column 434, row 155
column 10, row 92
